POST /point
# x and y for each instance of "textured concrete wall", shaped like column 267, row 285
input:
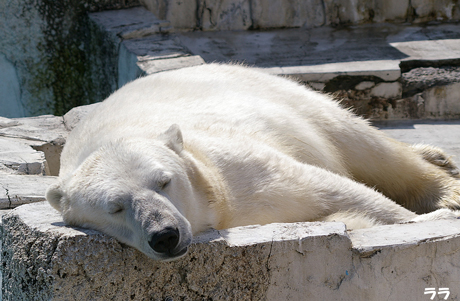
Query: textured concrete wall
column 262, row 14
column 52, row 61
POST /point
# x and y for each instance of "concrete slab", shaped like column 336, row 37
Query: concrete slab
column 18, row 156
column 36, row 136
column 65, row 263
column 41, row 128
column 411, row 234
column 17, row 190
column 265, row 14
column 402, row 262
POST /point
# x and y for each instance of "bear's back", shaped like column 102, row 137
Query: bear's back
column 215, row 100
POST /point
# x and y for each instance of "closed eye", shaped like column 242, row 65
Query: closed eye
column 115, row 208
column 116, row 211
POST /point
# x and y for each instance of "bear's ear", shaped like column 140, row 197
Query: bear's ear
column 54, row 195
column 173, row 138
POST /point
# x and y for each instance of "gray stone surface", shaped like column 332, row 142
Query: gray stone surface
column 40, row 129
column 181, row 14
column 300, row 261
column 18, row 156
column 400, row 262
column 17, row 190
column 32, row 145
column 158, row 53
column 444, row 134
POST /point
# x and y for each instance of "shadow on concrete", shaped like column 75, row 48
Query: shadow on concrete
column 410, row 124
column 308, row 47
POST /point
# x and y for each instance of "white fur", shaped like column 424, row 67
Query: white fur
column 256, row 149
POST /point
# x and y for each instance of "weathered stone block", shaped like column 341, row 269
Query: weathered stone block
column 364, row 11
column 19, row 157
column 387, row 90
column 403, row 260
column 129, row 23
column 364, row 85
column 389, row 11
column 61, row 263
column 37, row 144
column 43, row 259
column 442, row 101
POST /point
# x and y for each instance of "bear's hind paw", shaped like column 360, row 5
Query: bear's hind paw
column 437, row 215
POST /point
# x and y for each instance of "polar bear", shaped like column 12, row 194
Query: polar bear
column 217, row 146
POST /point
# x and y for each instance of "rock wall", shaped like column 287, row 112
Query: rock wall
column 262, row 14
column 48, row 57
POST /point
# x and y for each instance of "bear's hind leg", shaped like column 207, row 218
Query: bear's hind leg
column 437, row 157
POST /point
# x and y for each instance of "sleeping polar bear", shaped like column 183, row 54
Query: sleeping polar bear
column 175, row 153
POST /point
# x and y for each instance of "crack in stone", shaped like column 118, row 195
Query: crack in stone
column 267, row 264
column 7, row 193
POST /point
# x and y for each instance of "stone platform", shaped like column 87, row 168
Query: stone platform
column 300, row 261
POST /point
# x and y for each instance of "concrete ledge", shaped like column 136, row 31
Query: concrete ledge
column 57, row 262
column 301, row 261
column 17, row 190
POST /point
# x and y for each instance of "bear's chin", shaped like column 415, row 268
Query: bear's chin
column 170, row 257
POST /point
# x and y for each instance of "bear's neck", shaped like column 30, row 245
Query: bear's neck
column 206, row 178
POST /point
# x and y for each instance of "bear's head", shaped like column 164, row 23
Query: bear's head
column 132, row 189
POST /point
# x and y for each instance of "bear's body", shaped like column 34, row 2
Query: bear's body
column 257, row 149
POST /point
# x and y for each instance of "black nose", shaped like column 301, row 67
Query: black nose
column 165, row 240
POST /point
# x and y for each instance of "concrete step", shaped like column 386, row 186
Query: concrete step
column 383, row 71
